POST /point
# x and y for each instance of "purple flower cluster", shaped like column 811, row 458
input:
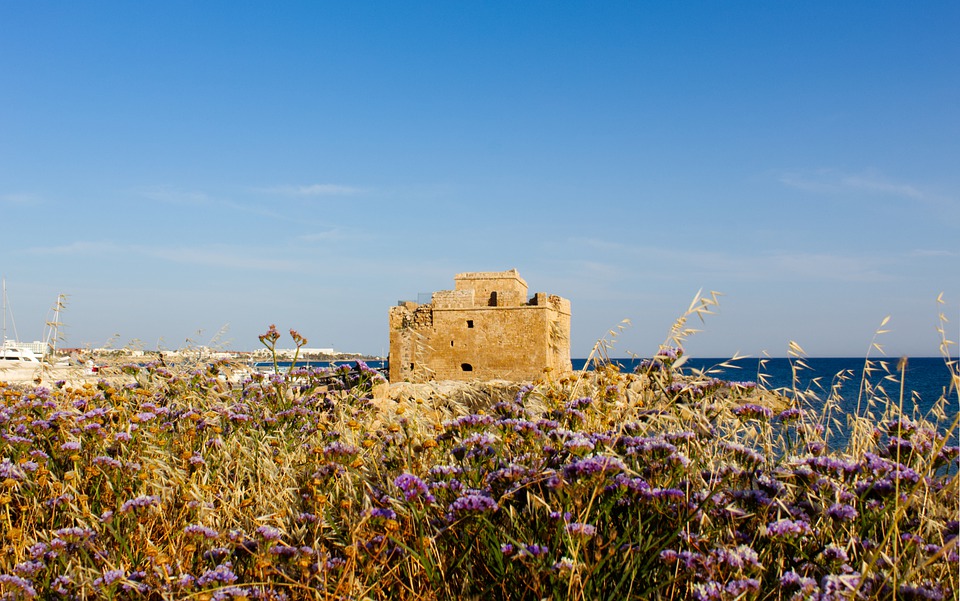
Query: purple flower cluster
column 141, row 502
column 597, row 465
column 473, row 503
column 338, row 451
column 753, row 411
column 744, row 454
column 581, row 530
column 413, row 488
column 198, row 529
column 222, row 574
column 22, row 586
column 842, row 513
column 787, row 528
column 524, row 551
column 269, row 533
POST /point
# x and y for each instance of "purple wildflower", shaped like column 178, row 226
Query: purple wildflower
column 594, row 465
column 37, row 550
column 413, row 488
column 834, row 466
column 108, row 578
column 508, row 474
column 139, row 503
column 10, row 470
column 744, row 454
column 21, row 584
column 842, row 513
column 339, row 450
column 789, row 415
column 580, row 529
column 269, row 533
column 74, row 534
column 222, row 574
column 836, row 586
column 28, row 568
column 468, row 421
column 578, row 444
column 835, row 554
column 473, row 503
column 520, row 426
column 753, row 411
column 534, row 550
column 920, row 592
column 216, row 553
column 660, row 494
column 788, row 528
column 383, row 513
column 202, row 530
column 282, row 550
column 791, row 580
column 670, row 353
column 738, row 588
column 107, row 461
column 739, row 558
column 59, row 585
column 708, row 591
column 445, row 470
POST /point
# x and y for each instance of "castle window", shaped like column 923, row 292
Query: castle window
column 469, row 323
column 466, row 367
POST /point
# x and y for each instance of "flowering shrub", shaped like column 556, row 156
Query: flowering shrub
column 177, row 484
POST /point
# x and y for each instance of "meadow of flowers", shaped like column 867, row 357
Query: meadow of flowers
column 176, row 483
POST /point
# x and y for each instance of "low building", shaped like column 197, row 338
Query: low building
column 486, row 328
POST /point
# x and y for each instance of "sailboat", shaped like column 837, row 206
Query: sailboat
column 15, row 353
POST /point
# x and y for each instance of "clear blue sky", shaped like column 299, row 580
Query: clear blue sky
column 176, row 167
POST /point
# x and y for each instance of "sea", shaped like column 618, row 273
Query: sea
column 925, row 379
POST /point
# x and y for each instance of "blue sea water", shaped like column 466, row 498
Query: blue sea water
column 925, row 379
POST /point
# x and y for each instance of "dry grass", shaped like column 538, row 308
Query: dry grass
column 658, row 484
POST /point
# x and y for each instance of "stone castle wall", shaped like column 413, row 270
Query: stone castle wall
column 484, row 329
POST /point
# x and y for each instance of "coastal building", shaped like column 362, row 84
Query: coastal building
column 486, row 328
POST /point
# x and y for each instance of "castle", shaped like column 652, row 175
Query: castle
column 485, row 328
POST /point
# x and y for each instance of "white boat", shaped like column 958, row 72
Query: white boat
column 14, row 354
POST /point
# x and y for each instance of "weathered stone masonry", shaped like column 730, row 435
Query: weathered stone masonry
column 484, row 329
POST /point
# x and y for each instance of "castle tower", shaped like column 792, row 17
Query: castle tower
column 485, row 328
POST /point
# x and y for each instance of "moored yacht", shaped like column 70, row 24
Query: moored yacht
column 12, row 353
